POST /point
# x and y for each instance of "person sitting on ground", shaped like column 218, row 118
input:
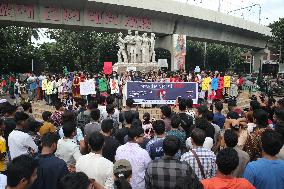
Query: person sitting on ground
column 167, row 171
column 121, row 133
column 190, row 111
column 131, row 151
column 198, row 152
column 94, row 165
column 27, row 106
column 21, row 172
column 70, row 117
column 186, row 120
column 253, row 143
column 227, row 161
column 67, row 148
column 180, row 134
column 56, row 117
column 19, row 141
column 155, row 146
column 122, row 172
column 268, row 171
column 94, row 125
column 78, row 181
column 51, row 169
column 84, row 117
column 147, row 125
column 166, row 117
column 47, row 126
column 111, row 144
column 231, row 141
column 219, row 118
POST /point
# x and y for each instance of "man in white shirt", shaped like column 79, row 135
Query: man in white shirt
column 20, row 142
column 67, row 148
column 94, row 165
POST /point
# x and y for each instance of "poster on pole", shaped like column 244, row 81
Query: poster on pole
column 88, row 87
column 179, row 52
column 114, row 87
column 161, row 93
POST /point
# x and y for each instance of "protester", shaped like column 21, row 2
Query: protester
column 47, row 126
column 56, row 117
column 122, row 171
column 231, row 141
column 111, row 144
column 78, row 181
column 3, row 149
column 186, row 120
column 94, row 125
column 67, row 148
column 227, row 161
column 84, row 117
column 131, row 151
column 175, row 131
column 219, row 118
column 121, row 133
column 27, row 106
column 155, row 146
column 165, row 172
column 166, row 116
column 19, row 141
column 147, row 125
column 268, row 171
column 202, row 161
column 50, row 169
column 94, row 165
column 21, row 172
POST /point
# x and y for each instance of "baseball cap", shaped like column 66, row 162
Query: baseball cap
column 121, row 166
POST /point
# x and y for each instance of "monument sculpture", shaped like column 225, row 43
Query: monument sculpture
column 136, row 52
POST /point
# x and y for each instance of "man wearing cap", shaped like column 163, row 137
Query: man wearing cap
column 122, row 172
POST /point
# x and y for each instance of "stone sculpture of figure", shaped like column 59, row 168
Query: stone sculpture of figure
column 138, row 47
column 121, row 52
column 152, row 48
column 129, row 39
column 145, row 48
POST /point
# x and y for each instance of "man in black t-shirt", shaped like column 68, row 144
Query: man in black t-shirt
column 111, row 144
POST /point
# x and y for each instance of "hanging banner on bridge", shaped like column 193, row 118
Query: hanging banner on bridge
column 179, row 48
column 161, row 93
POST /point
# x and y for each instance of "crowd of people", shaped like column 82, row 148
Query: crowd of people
column 66, row 87
column 95, row 145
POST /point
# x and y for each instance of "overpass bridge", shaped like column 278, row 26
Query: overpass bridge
column 163, row 17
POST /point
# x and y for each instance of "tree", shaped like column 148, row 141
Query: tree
column 277, row 29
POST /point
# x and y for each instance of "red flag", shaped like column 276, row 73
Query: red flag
column 108, row 68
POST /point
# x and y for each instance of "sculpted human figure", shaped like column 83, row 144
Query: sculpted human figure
column 152, row 48
column 121, row 52
column 145, row 48
column 129, row 39
column 138, row 47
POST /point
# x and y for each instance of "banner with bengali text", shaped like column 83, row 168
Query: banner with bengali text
column 161, row 93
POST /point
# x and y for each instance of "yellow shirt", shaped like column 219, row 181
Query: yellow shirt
column 3, row 153
column 206, row 83
column 227, row 81
column 46, row 128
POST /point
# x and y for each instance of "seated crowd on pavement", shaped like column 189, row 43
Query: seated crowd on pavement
column 97, row 146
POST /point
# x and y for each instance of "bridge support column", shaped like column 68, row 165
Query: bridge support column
column 258, row 58
column 177, row 55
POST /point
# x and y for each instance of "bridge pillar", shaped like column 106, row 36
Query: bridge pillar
column 258, row 58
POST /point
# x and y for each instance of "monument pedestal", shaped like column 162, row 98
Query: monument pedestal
column 141, row 67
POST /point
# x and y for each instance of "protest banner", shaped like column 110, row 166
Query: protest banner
column 44, row 84
column 160, row 93
column 87, row 87
column 227, row 81
column 114, row 88
column 108, row 68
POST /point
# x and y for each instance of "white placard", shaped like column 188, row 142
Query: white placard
column 87, row 87
column 114, row 87
column 163, row 63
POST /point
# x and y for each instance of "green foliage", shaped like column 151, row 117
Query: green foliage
column 277, row 29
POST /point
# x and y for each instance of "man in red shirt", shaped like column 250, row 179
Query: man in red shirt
column 227, row 161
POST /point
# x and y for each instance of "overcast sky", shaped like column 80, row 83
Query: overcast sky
column 271, row 10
